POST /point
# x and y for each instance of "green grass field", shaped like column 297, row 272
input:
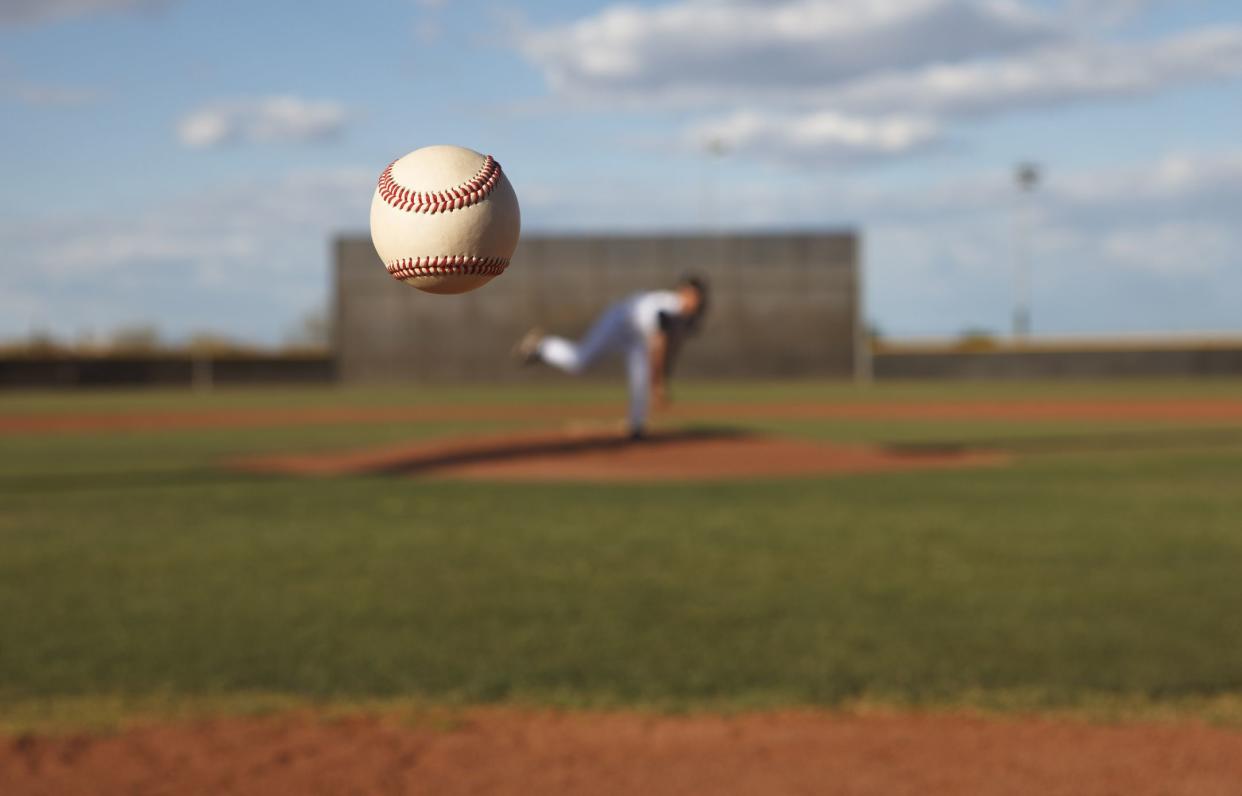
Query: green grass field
column 1103, row 567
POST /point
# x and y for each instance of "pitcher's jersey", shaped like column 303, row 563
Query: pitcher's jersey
column 644, row 310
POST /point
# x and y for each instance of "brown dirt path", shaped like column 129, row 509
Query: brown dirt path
column 1140, row 410
column 498, row 751
column 567, row 456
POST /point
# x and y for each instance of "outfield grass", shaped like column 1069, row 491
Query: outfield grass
column 575, row 391
column 1105, row 564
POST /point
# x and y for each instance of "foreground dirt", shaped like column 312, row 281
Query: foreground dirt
column 1139, row 410
column 511, row 752
column 569, row 456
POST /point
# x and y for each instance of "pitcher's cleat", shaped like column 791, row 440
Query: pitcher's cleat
column 527, row 349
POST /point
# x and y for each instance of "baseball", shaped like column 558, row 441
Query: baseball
column 445, row 219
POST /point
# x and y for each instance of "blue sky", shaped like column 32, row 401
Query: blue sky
column 185, row 163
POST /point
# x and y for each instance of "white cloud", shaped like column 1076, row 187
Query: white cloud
column 1109, row 13
column 1145, row 247
column 1110, row 246
column 1142, row 248
column 241, row 225
column 1176, row 187
column 708, row 51
column 829, row 78
column 897, row 113
column 1064, row 73
column 249, row 258
column 888, row 56
column 1199, row 184
column 14, row 87
column 816, row 136
column 49, row 96
column 30, row 12
column 1173, row 248
column 281, row 119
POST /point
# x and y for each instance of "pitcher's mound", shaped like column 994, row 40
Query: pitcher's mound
column 592, row 456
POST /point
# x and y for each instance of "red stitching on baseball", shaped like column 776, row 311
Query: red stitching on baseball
column 444, row 265
column 471, row 192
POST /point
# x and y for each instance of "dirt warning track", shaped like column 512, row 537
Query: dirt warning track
column 502, row 751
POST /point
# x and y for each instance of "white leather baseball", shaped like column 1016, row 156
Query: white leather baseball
column 445, row 219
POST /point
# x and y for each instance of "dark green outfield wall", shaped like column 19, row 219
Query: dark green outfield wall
column 783, row 306
column 1188, row 361
column 163, row 370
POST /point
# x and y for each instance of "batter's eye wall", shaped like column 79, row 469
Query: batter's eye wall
column 783, row 305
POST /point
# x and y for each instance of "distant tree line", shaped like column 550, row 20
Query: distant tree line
column 311, row 334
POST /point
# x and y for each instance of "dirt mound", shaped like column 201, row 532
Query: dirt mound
column 500, row 751
column 566, row 456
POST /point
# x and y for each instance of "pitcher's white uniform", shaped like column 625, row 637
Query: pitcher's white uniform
column 625, row 327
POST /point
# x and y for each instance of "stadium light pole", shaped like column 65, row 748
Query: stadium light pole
column 716, row 149
column 1027, row 177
